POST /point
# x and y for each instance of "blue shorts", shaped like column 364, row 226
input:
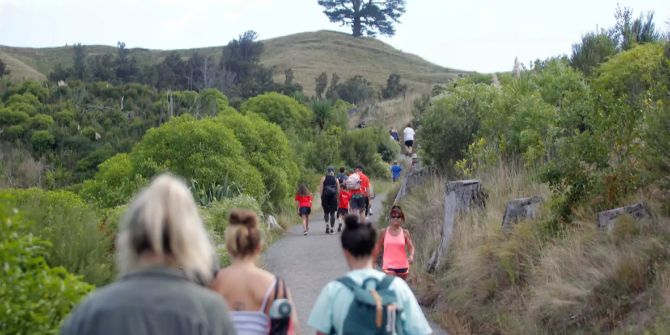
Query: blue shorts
column 304, row 211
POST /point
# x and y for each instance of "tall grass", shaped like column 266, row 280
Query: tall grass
column 533, row 280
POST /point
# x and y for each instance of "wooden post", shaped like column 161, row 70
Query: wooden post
column 461, row 195
column 607, row 219
column 524, row 208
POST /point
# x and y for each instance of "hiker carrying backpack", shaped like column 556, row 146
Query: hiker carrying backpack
column 353, row 182
column 375, row 309
column 365, row 300
column 341, row 177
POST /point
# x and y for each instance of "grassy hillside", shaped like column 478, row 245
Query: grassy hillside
column 308, row 54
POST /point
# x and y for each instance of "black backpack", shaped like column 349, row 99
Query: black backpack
column 329, row 188
column 374, row 310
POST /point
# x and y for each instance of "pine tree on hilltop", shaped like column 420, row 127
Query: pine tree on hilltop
column 365, row 17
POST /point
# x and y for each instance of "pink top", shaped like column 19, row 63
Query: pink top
column 395, row 256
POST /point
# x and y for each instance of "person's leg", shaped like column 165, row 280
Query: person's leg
column 303, row 217
column 332, row 221
column 325, row 219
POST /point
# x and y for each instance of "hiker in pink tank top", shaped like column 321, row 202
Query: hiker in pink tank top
column 396, row 242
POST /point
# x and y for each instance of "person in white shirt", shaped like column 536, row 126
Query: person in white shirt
column 408, row 137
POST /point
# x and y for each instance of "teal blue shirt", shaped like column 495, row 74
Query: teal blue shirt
column 333, row 303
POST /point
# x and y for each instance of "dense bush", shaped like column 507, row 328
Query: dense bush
column 265, row 147
column 114, row 184
column 452, row 122
column 365, row 147
column 36, row 297
column 280, row 109
column 80, row 243
column 204, row 150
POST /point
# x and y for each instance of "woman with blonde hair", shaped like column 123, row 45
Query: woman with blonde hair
column 260, row 302
column 163, row 251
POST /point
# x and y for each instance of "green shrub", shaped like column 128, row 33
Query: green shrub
column 266, row 147
column 361, row 147
column 73, row 228
column 204, row 150
column 41, row 122
column 450, row 125
column 114, row 184
column 42, row 140
column 35, row 296
column 14, row 132
column 10, row 117
column 280, row 109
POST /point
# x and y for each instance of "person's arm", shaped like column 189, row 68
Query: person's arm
column 294, row 313
column 410, row 246
column 379, row 246
column 321, row 185
column 337, row 182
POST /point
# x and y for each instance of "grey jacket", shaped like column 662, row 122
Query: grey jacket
column 158, row 300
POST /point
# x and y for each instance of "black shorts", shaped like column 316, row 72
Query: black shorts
column 357, row 202
column 342, row 212
column 409, row 143
column 398, row 271
column 304, row 211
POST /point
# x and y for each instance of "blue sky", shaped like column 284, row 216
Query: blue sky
column 481, row 35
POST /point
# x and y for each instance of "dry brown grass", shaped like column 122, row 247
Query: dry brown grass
column 393, row 113
column 20, row 71
column 18, row 168
column 308, row 54
column 533, row 280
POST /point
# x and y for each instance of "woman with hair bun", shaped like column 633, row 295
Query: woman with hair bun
column 330, row 314
column 163, row 254
column 252, row 293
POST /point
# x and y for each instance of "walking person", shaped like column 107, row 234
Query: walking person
column 357, row 202
column 394, row 135
column 396, row 243
column 342, row 205
column 163, row 254
column 254, row 295
column 341, row 177
column 367, row 190
column 304, row 199
column 365, row 300
column 329, row 188
column 395, row 171
column 408, row 137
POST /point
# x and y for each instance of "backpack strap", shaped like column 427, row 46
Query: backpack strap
column 348, row 282
column 385, row 283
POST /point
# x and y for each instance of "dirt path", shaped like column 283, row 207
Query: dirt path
column 308, row 263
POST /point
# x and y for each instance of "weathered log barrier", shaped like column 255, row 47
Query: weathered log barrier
column 461, row 195
column 607, row 219
column 519, row 209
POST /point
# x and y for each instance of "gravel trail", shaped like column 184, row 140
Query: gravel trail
column 308, row 263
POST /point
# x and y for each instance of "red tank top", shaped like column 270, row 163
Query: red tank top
column 395, row 256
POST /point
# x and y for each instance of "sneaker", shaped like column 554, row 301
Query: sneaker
column 304, row 233
column 327, row 230
column 339, row 228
